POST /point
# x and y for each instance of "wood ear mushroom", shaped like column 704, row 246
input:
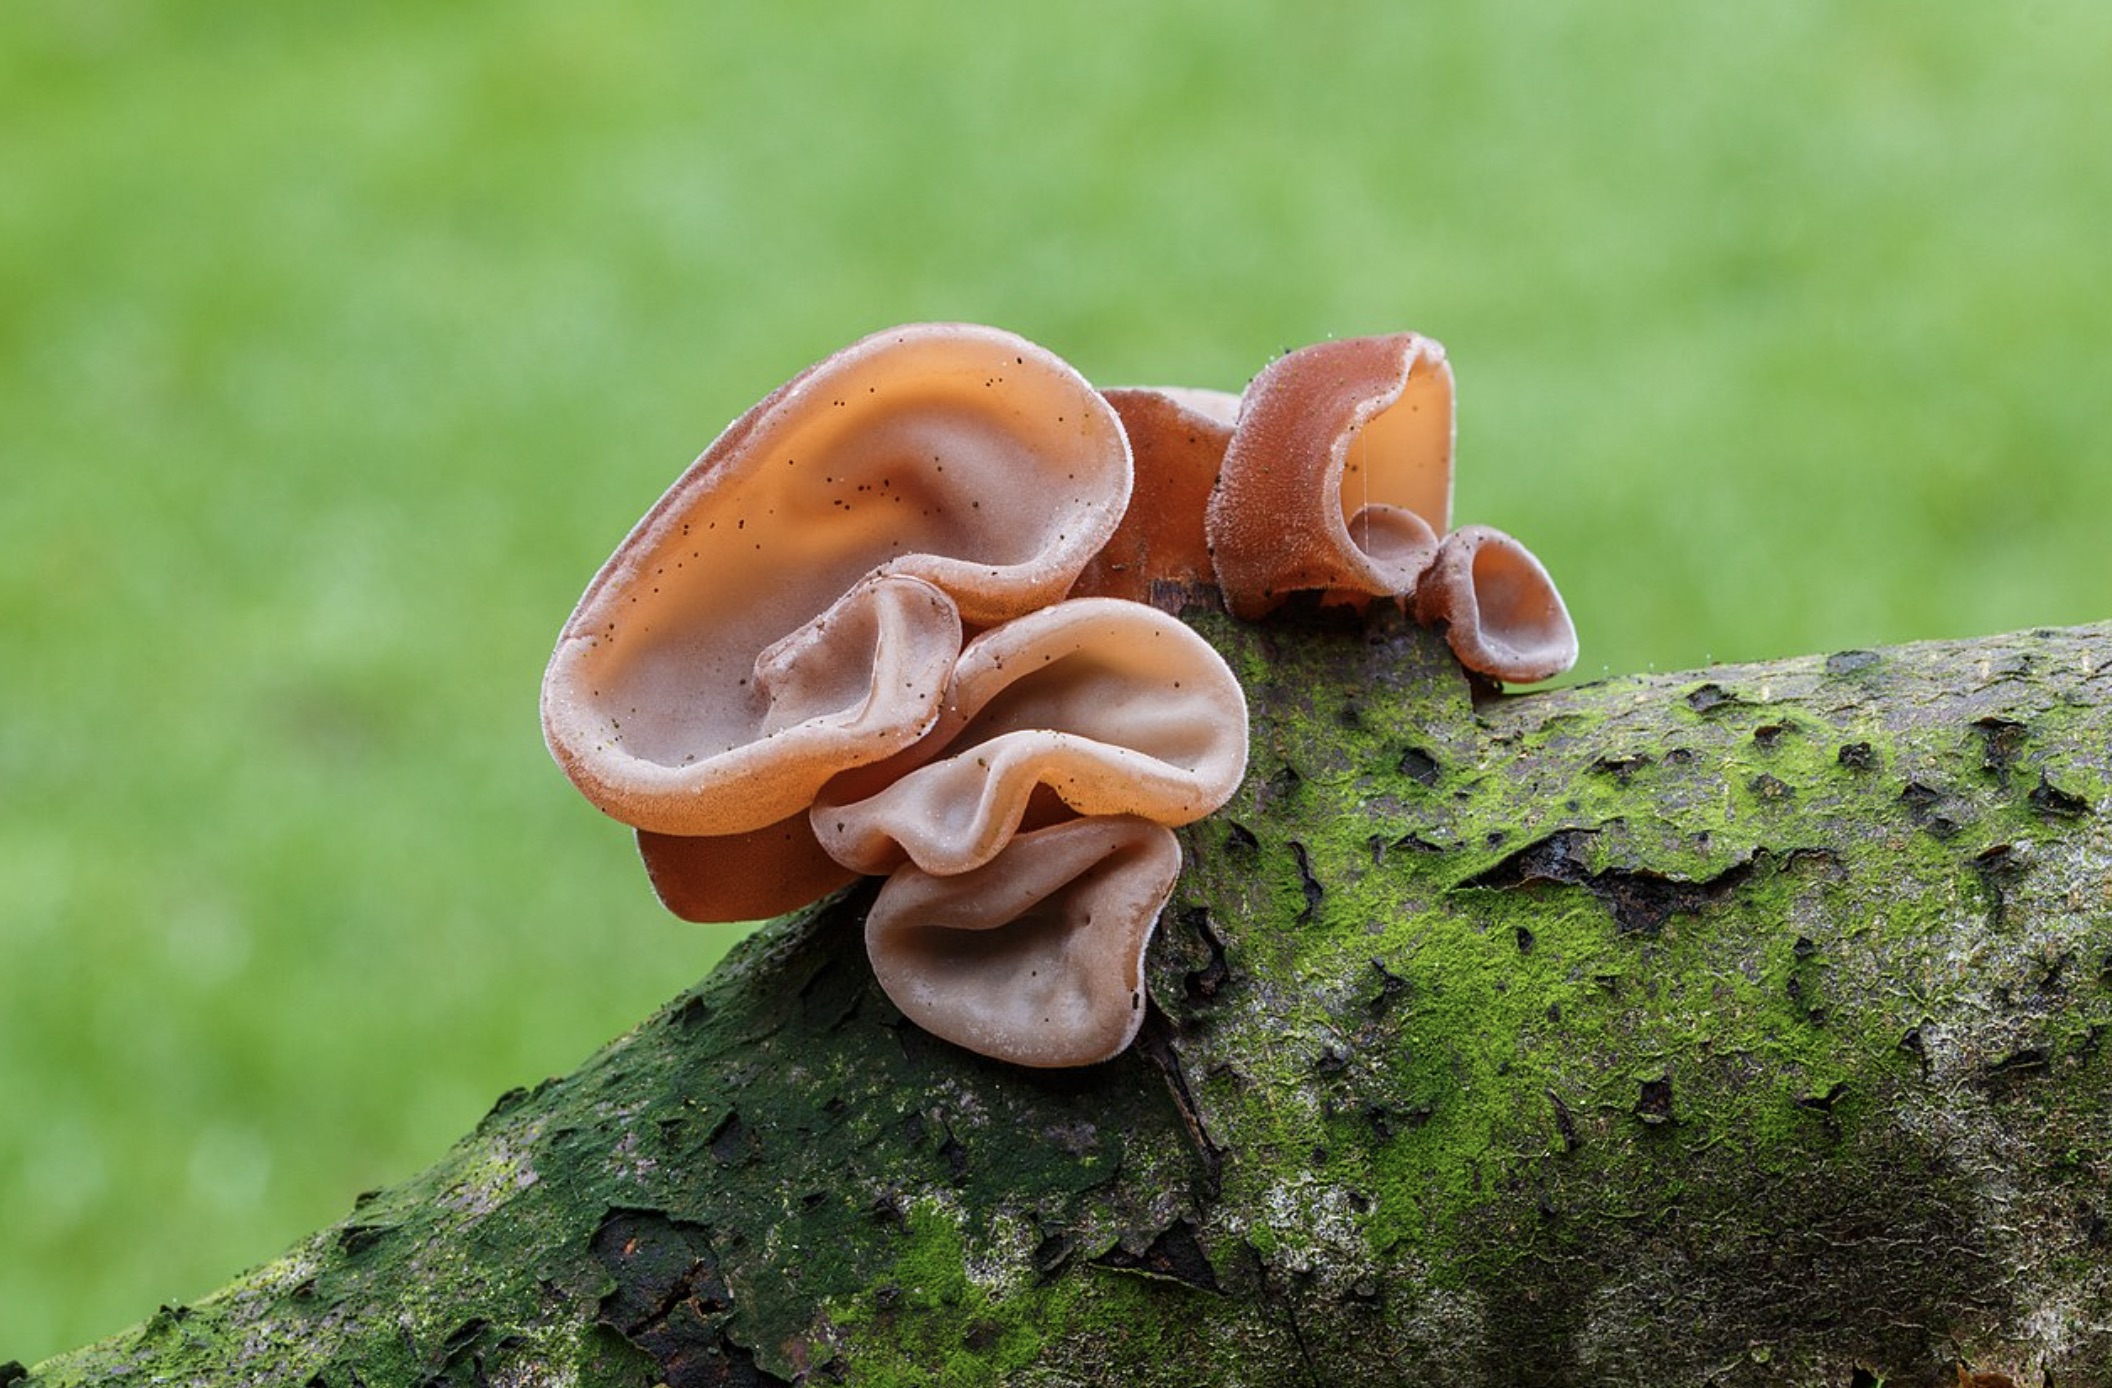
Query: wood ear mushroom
column 895, row 622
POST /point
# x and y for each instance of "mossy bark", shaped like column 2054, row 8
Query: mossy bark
column 1738, row 1027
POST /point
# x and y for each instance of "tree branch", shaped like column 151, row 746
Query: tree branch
column 1740, row 1027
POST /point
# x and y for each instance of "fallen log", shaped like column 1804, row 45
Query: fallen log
column 1743, row 1026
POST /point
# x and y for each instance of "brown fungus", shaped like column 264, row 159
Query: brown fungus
column 741, row 877
column 784, row 611
column 1177, row 436
column 1500, row 611
column 1338, row 476
column 1036, row 957
column 1092, row 707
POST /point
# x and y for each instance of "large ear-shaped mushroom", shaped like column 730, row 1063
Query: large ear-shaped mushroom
column 738, row 739
column 707, row 684
column 1094, row 706
column 1178, row 437
column 1501, row 613
column 1339, row 474
column 1037, row 957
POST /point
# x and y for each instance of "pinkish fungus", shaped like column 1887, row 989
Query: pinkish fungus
column 842, row 644
column 1037, row 956
column 1500, row 611
column 1111, row 707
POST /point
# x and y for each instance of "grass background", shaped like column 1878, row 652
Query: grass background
column 338, row 347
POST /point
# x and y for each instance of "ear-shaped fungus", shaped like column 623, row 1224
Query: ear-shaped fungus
column 1037, row 957
column 749, row 876
column 1093, row 707
column 1339, row 474
column 1177, row 436
column 1501, row 613
column 735, row 739
column 791, row 607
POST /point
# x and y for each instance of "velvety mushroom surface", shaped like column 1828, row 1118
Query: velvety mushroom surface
column 1111, row 707
column 1338, row 476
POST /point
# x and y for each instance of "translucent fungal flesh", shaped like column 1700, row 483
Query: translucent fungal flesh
column 1036, row 957
column 682, row 696
column 1338, row 476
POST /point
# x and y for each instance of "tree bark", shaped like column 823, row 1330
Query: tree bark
column 1744, row 1026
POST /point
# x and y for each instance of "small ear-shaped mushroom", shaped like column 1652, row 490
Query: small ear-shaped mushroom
column 675, row 751
column 1109, row 707
column 1177, row 437
column 741, row 877
column 1037, row 957
column 689, row 678
column 1339, row 474
column 1500, row 610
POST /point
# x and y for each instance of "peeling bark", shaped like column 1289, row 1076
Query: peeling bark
column 1738, row 1027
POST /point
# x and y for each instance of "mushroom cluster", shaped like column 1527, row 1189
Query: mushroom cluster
column 897, row 621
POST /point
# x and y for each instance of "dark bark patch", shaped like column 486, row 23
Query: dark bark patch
column 1653, row 1103
column 2054, row 803
column 1824, row 1102
column 1842, row 663
column 12, row 1372
column 2002, row 742
column 1240, row 839
column 1857, row 756
column 1052, row 1253
column 732, row 1141
column 887, row 1212
column 954, row 1154
column 1772, row 789
column 1176, row 1255
column 831, row 996
column 1392, row 988
column 671, row 1301
column 1707, row 698
column 1307, row 883
column 2025, row 1063
column 503, row 1105
column 1639, row 900
column 1930, row 809
column 1386, row 1119
column 356, row 1239
column 1622, row 769
column 1769, row 735
column 1419, row 766
column 1999, row 865
column 1203, row 984
column 1565, row 1123
column 1155, row 1044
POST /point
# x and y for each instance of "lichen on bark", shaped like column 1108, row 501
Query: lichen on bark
column 1739, row 1027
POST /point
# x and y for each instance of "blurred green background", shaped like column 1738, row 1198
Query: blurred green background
column 339, row 346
